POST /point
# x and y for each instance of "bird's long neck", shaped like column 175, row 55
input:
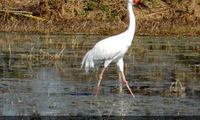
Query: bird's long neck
column 131, row 27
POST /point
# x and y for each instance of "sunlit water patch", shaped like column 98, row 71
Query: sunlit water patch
column 41, row 75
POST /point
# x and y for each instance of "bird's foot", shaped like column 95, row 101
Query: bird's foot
column 96, row 93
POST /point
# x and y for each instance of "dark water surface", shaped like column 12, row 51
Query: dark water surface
column 41, row 75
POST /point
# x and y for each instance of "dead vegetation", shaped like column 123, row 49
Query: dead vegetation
column 101, row 17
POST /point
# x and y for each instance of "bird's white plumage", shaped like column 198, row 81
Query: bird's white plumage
column 111, row 49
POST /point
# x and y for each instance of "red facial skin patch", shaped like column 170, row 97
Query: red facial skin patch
column 135, row 1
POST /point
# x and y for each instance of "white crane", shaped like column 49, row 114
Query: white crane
column 112, row 49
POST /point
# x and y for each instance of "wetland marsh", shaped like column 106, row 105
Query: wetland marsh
column 41, row 75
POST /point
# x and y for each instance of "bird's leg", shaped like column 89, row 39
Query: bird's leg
column 126, row 83
column 99, row 81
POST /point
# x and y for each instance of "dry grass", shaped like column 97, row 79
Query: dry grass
column 102, row 17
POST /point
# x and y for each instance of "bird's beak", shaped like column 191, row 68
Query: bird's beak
column 140, row 3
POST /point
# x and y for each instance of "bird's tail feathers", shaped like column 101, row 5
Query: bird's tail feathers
column 87, row 62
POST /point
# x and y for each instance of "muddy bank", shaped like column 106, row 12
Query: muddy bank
column 166, row 17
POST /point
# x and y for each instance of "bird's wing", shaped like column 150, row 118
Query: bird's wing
column 107, row 49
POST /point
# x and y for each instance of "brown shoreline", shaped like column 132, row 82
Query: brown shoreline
column 86, row 27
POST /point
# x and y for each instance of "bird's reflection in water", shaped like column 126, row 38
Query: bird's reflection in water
column 117, row 105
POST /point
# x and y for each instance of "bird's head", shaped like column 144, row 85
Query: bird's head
column 136, row 2
column 133, row 1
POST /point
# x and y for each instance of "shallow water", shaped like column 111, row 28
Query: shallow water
column 41, row 75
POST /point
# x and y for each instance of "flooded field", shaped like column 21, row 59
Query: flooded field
column 41, row 75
